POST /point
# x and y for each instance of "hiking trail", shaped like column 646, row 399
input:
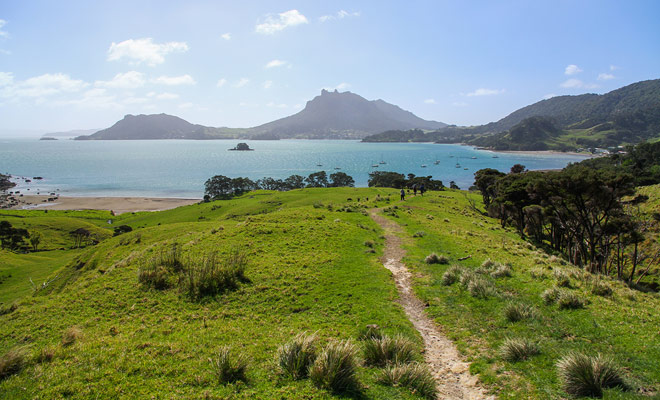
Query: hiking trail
column 451, row 373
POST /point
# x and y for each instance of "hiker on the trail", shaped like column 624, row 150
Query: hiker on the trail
column 415, row 190
column 403, row 194
column 421, row 189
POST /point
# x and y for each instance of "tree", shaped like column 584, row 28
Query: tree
column 453, row 185
column 79, row 235
column 485, row 180
column 270, row 184
column 35, row 239
column 218, row 187
column 294, row 182
column 341, row 179
column 12, row 238
column 121, row 229
column 386, row 179
column 241, row 185
column 518, row 169
column 317, row 179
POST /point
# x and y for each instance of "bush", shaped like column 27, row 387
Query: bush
column 518, row 349
column 371, row 331
column 551, row 295
column 297, row 356
column 388, row 350
column 12, row 362
column 415, row 377
column 452, row 275
column 227, row 367
column 71, row 335
column 569, row 300
column 436, row 259
column 582, row 375
column 501, row 271
column 481, row 288
column 336, row 367
column 210, row 276
column 515, row 312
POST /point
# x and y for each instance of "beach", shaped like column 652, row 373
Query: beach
column 118, row 205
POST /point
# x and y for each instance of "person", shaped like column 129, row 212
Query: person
column 403, row 194
column 415, row 190
column 421, row 189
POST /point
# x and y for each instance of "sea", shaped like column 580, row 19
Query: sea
column 179, row 168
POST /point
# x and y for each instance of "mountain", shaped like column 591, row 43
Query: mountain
column 344, row 115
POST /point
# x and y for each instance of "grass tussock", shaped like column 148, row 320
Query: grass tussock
column 502, row 271
column 538, row 273
column 515, row 312
column 12, row 362
column 488, row 264
column 419, row 234
column 414, row 376
column 71, row 335
column 452, row 275
column 388, row 350
column 569, row 300
column 550, row 295
column 211, row 276
column 160, row 272
column 481, row 288
column 562, row 279
column 229, row 367
column 369, row 332
column 518, row 349
column 433, row 258
column 295, row 357
column 336, row 368
column 601, row 288
column 583, row 375
column 47, row 354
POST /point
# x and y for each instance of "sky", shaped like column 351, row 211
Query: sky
column 68, row 65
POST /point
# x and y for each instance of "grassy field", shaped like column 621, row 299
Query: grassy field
column 312, row 266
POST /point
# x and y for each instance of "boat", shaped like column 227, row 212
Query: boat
column 423, row 165
column 496, row 156
column 381, row 158
column 337, row 167
column 375, row 166
column 458, row 165
column 465, row 169
column 474, row 158
column 436, row 162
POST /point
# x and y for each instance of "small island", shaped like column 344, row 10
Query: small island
column 242, row 147
column 47, row 138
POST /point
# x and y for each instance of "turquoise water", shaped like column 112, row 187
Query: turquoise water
column 179, row 168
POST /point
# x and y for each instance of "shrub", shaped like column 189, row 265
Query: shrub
column 569, row 300
column 501, row 271
column 518, row 349
column 415, row 377
column 452, row 275
column 467, row 277
column 515, row 312
column 71, row 335
column 298, row 355
column 12, row 362
column 227, row 367
column 551, row 295
column 582, row 375
column 436, row 259
column 481, row 288
column 601, row 288
column 371, row 331
column 336, row 367
column 388, row 350
column 211, row 276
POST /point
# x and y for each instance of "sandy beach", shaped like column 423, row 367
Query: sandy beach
column 117, row 204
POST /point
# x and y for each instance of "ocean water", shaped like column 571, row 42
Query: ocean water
column 179, row 168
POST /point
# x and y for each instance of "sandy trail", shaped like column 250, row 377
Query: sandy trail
column 450, row 371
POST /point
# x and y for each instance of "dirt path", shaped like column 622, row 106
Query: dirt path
column 450, row 371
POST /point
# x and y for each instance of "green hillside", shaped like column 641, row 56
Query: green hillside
column 98, row 329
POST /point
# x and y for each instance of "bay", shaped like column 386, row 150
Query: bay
column 179, row 168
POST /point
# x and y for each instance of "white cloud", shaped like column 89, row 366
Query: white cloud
column 186, row 105
column 6, row 78
column 167, row 96
column 3, row 33
column 174, row 80
column 275, row 23
column 577, row 84
column 343, row 85
column 242, row 82
column 340, row 14
column 485, row 92
column 572, row 69
column 144, row 50
column 44, row 85
column 221, row 82
column 275, row 105
column 268, row 84
column 605, row 77
column 126, row 80
column 226, row 36
column 275, row 63
column 430, row 101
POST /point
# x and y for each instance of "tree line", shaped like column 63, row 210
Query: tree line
column 579, row 212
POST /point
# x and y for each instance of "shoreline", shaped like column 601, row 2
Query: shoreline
column 118, row 205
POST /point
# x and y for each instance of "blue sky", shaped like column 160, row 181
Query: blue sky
column 80, row 64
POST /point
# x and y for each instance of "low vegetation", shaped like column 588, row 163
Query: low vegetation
column 229, row 366
column 414, row 376
column 297, row 356
column 387, row 350
column 583, row 375
column 336, row 368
